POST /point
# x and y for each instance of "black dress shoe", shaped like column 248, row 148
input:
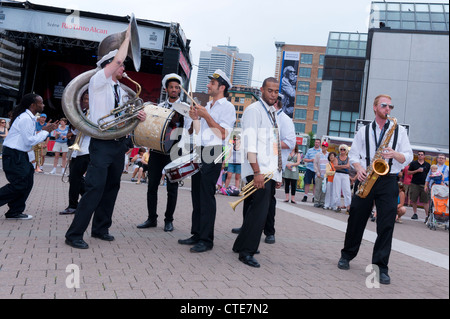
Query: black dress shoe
column 106, row 237
column 168, row 226
column 236, row 230
column 343, row 264
column 147, row 224
column 385, row 279
column 249, row 260
column 200, row 248
column 188, row 241
column 68, row 211
column 77, row 243
column 270, row 239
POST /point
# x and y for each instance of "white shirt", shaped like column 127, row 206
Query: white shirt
column 101, row 96
column 224, row 113
column 258, row 137
column 357, row 152
column 287, row 134
column 22, row 135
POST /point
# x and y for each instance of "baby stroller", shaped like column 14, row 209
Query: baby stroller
column 438, row 213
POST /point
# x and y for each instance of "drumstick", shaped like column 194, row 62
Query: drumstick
column 192, row 99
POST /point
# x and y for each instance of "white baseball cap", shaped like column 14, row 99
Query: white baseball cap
column 220, row 76
column 173, row 77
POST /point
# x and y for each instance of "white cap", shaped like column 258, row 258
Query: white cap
column 106, row 57
column 221, row 77
column 171, row 76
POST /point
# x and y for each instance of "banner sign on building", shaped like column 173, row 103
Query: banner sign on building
column 288, row 81
column 75, row 27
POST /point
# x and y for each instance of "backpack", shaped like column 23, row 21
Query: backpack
column 233, row 191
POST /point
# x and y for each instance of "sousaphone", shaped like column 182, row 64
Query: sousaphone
column 72, row 93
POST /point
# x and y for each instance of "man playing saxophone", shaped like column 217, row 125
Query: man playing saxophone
column 381, row 138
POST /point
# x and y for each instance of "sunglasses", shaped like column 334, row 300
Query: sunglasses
column 383, row 105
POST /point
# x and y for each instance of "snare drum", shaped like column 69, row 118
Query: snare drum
column 155, row 132
column 182, row 167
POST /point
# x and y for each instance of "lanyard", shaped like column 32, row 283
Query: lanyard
column 270, row 115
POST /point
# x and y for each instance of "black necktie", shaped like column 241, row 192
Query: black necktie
column 116, row 95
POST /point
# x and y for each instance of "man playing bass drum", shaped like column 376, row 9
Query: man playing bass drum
column 384, row 192
column 172, row 83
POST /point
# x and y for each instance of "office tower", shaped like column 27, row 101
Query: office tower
column 237, row 66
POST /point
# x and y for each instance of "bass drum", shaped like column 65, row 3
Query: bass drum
column 156, row 131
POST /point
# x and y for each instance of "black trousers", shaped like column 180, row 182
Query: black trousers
column 384, row 194
column 203, row 197
column 78, row 167
column 256, row 208
column 20, row 174
column 102, row 186
column 156, row 164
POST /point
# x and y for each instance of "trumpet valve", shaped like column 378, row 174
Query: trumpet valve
column 75, row 147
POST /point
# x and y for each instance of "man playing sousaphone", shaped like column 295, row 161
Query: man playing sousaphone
column 106, row 156
column 172, row 84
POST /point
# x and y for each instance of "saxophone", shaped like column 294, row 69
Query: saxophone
column 378, row 166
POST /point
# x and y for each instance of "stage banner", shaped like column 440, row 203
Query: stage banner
column 73, row 26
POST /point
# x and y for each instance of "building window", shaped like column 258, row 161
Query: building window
column 306, row 58
column 303, row 86
column 319, row 87
column 317, row 101
column 304, row 72
column 300, row 114
column 302, row 100
column 342, row 123
column 319, row 73
column 321, row 59
column 299, row 127
column 316, row 116
column 314, row 128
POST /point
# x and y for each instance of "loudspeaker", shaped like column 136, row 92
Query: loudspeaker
column 171, row 61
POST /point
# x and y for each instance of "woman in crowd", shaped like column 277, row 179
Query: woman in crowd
column 330, row 199
column 290, row 173
column 341, row 182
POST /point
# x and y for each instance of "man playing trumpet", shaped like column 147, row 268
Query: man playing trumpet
column 262, row 165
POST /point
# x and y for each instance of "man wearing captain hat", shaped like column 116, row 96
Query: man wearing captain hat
column 213, row 123
column 172, row 84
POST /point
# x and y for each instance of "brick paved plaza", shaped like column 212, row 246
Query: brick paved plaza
column 151, row 264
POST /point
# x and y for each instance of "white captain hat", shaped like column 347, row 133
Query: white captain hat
column 220, row 76
column 171, row 77
column 106, row 58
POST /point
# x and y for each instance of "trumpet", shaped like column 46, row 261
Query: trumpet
column 125, row 112
column 249, row 189
column 74, row 147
